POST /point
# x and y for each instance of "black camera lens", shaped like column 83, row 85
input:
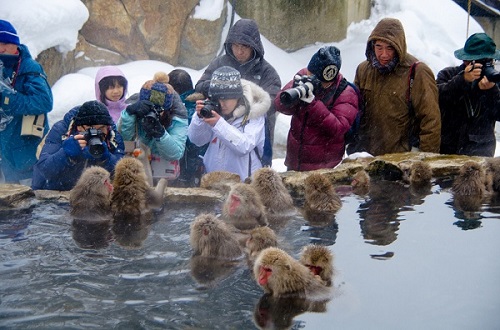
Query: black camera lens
column 208, row 107
column 292, row 95
column 490, row 72
column 94, row 138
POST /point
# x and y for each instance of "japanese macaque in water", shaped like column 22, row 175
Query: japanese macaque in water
column 469, row 187
column 280, row 275
column 243, row 208
column 273, row 193
column 132, row 194
column 360, row 183
column 320, row 194
column 211, row 237
column 260, row 238
column 319, row 259
column 219, row 180
column 492, row 175
column 91, row 196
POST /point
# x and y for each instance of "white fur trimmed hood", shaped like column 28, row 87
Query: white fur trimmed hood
column 258, row 99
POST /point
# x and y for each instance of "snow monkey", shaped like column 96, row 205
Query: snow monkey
column 320, row 194
column 279, row 274
column 219, row 180
column 132, row 194
column 319, row 259
column 243, row 207
column 91, row 196
column 469, row 187
column 273, row 193
column 260, row 238
column 361, row 183
column 211, row 237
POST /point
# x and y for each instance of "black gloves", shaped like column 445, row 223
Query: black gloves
column 153, row 127
column 140, row 108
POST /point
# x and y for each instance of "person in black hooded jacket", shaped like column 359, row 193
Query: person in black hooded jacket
column 245, row 53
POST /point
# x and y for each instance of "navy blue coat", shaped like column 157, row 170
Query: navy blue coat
column 56, row 171
column 33, row 97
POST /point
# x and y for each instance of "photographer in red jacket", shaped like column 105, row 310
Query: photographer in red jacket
column 319, row 120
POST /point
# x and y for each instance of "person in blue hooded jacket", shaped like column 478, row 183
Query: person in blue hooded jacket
column 25, row 100
column 86, row 136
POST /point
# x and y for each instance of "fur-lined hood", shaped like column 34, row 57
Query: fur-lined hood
column 257, row 99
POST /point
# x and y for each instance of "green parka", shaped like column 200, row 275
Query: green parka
column 385, row 125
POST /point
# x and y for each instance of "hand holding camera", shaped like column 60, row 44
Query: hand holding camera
column 140, row 108
column 72, row 147
column 153, row 128
column 303, row 90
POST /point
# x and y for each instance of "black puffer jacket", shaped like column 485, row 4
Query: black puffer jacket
column 468, row 114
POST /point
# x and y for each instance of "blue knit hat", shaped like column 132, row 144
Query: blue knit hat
column 325, row 63
column 158, row 91
column 8, row 35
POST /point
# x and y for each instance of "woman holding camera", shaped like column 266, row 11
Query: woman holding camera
column 319, row 120
column 233, row 123
column 86, row 136
column 469, row 101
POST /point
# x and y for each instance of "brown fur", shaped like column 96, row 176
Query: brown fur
column 243, row 207
column 210, row 271
column 219, row 181
column 131, row 232
column 132, row 194
column 492, row 174
column 91, row 196
column 260, row 238
column 286, row 275
column 211, row 237
column 470, row 180
column 361, row 183
column 91, row 234
column 320, row 194
column 319, row 259
column 273, row 193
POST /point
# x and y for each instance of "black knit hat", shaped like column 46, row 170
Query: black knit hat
column 225, row 84
column 325, row 63
column 93, row 113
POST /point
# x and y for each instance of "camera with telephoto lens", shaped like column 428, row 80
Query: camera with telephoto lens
column 302, row 85
column 208, row 106
column 488, row 71
column 154, row 114
column 94, row 138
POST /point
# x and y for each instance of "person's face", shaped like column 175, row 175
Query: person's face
column 8, row 48
column 384, row 52
column 227, row 106
column 114, row 93
column 243, row 53
column 102, row 128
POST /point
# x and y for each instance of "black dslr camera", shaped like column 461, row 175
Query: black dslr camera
column 302, row 84
column 488, row 71
column 208, row 106
column 94, row 138
column 154, row 114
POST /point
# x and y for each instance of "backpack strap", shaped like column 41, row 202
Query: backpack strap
column 334, row 93
column 414, row 138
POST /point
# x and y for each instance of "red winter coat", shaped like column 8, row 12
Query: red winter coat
column 316, row 136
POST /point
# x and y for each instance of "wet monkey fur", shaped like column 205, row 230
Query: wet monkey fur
column 281, row 275
column 211, row 237
column 273, row 193
column 132, row 194
column 91, row 196
column 319, row 260
column 243, row 207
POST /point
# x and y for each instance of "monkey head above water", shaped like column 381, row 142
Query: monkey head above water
column 320, row 194
column 211, row 237
column 243, row 208
column 90, row 198
column 273, row 193
column 260, row 238
column 319, row 259
column 281, row 275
